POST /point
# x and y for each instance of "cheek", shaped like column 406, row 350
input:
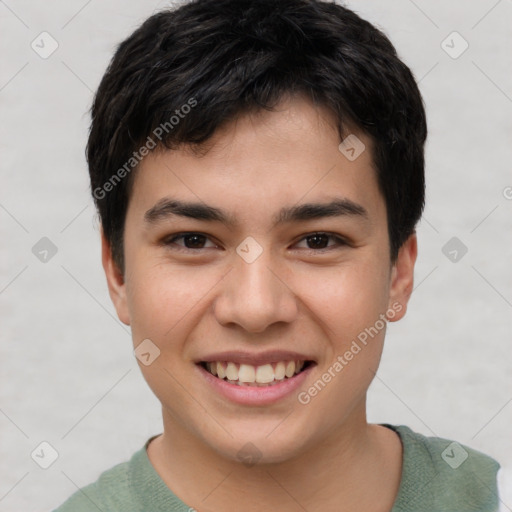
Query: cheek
column 351, row 306
column 166, row 304
column 161, row 296
column 347, row 299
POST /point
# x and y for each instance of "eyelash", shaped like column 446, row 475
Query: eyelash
column 340, row 242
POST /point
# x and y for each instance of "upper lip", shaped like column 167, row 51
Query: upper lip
column 255, row 359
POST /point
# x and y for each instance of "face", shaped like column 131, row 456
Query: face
column 270, row 248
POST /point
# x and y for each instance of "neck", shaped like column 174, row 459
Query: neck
column 341, row 468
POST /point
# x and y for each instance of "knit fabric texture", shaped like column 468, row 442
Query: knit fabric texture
column 438, row 475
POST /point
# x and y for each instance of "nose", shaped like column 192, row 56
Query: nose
column 255, row 296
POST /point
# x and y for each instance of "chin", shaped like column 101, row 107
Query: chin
column 260, row 448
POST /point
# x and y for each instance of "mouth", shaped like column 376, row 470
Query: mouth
column 247, row 375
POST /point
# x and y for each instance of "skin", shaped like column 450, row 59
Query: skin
column 192, row 302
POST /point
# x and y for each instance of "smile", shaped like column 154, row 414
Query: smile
column 259, row 376
column 255, row 385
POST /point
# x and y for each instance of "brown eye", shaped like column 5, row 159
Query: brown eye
column 194, row 241
column 190, row 241
column 320, row 241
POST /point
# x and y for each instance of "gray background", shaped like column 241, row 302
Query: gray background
column 68, row 373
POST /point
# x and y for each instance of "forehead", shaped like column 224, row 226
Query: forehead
column 260, row 162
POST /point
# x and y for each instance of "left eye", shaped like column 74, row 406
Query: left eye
column 320, row 241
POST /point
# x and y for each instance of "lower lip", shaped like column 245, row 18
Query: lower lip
column 255, row 395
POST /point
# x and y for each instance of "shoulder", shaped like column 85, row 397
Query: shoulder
column 439, row 474
column 112, row 491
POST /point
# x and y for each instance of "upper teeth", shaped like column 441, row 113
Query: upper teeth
column 260, row 374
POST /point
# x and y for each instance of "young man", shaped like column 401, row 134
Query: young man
column 258, row 169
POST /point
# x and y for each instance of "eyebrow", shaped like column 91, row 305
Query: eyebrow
column 167, row 208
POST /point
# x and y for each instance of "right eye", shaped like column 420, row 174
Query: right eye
column 191, row 241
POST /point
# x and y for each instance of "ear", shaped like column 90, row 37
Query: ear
column 402, row 279
column 115, row 281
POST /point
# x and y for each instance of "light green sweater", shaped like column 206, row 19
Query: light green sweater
column 437, row 476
